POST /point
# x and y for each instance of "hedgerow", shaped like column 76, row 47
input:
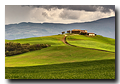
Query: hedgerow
column 17, row 48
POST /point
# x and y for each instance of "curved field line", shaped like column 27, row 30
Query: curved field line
column 64, row 41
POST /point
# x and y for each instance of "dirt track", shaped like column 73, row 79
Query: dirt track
column 64, row 41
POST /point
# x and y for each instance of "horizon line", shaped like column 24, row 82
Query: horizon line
column 60, row 22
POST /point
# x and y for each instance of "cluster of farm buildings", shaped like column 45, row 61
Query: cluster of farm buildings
column 80, row 32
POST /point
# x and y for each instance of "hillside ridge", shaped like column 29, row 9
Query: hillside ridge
column 65, row 41
column 57, row 53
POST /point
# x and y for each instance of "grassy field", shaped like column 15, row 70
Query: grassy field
column 97, row 42
column 56, row 55
column 102, row 69
column 54, row 40
column 60, row 61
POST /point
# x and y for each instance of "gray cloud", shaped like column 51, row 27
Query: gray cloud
column 69, row 15
column 44, row 14
column 107, row 7
column 56, row 14
column 102, row 8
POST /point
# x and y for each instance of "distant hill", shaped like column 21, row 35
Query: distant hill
column 104, row 27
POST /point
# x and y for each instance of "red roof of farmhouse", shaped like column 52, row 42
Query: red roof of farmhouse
column 76, row 30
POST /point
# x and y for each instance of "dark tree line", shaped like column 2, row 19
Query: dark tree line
column 17, row 48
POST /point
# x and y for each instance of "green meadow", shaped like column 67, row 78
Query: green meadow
column 100, row 69
column 61, row 61
column 97, row 42
column 54, row 40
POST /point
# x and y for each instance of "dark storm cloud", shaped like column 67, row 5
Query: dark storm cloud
column 105, row 8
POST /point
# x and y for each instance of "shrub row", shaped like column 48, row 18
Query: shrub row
column 17, row 48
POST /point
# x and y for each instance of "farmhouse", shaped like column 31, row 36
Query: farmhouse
column 91, row 34
column 76, row 31
column 80, row 32
column 84, row 31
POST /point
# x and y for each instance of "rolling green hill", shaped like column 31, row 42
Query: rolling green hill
column 38, row 64
column 54, row 40
column 97, row 42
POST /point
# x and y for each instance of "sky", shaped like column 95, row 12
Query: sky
column 57, row 13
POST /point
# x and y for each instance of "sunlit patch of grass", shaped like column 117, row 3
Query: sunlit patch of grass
column 97, row 42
